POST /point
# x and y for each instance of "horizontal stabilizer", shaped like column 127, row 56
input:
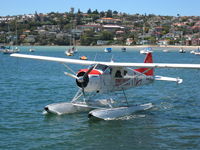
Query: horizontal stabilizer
column 178, row 80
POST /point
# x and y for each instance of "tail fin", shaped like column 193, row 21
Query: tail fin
column 150, row 71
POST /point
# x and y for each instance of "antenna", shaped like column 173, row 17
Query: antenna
column 95, row 57
column 112, row 60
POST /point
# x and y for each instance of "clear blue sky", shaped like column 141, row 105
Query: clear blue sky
column 158, row 7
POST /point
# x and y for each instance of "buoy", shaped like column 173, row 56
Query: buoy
column 83, row 58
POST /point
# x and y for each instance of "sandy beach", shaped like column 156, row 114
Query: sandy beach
column 153, row 46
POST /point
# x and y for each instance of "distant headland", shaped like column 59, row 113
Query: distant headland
column 94, row 28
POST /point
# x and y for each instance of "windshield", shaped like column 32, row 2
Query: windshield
column 101, row 67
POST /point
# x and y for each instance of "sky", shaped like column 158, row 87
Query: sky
column 157, row 7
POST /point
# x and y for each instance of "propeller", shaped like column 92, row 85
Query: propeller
column 71, row 75
column 82, row 78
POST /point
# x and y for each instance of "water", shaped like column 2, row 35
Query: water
column 26, row 86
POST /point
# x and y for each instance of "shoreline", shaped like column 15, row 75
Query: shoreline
column 115, row 46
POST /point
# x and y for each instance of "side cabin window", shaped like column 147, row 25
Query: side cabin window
column 118, row 74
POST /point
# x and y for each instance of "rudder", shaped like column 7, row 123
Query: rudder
column 148, row 59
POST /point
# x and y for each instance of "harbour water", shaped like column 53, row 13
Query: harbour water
column 26, row 86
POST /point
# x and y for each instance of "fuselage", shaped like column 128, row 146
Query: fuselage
column 105, row 79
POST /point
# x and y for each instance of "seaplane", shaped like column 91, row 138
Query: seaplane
column 104, row 78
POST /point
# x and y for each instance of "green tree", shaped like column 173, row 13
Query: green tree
column 115, row 12
column 89, row 11
column 106, row 35
column 95, row 12
column 102, row 14
column 109, row 13
column 88, row 38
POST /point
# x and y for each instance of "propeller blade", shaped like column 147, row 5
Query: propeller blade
column 71, row 75
column 89, row 70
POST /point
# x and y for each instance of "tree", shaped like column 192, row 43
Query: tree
column 89, row 11
column 102, row 14
column 95, row 12
column 115, row 12
column 109, row 13
column 87, row 38
column 79, row 11
column 105, row 35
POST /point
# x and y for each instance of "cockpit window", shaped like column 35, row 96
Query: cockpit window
column 101, row 67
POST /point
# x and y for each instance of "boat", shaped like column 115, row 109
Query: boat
column 123, row 49
column 192, row 52
column 72, row 42
column 31, row 49
column 108, row 50
column 165, row 50
column 83, row 58
column 9, row 50
column 196, row 52
column 2, row 47
column 70, row 51
column 182, row 50
column 146, row 50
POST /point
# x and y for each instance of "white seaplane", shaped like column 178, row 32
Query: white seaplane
column 107, row 77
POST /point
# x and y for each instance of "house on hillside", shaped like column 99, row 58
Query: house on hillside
column 109, row 21
column 93, row 27
column 112, row 28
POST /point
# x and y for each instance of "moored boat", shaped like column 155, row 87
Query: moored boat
column 182, row 50
column 123, row 49
column 83, row 58
column 108, row 50
column 146, row 50
column 9, row 50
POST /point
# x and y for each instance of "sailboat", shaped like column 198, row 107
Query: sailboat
column 11, row 49
column 71, row 51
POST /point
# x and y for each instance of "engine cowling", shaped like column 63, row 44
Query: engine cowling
column 90, row 82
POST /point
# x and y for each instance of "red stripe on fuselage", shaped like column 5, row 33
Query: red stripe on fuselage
column 94, row 71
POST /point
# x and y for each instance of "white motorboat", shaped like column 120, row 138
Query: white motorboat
column 108, row 50
column 165, row 50
column 196, row 52
column 146, row 50
column 182, row 50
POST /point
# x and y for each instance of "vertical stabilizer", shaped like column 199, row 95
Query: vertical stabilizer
column 147, row 71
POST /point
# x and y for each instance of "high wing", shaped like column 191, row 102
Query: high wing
column 114, row 64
